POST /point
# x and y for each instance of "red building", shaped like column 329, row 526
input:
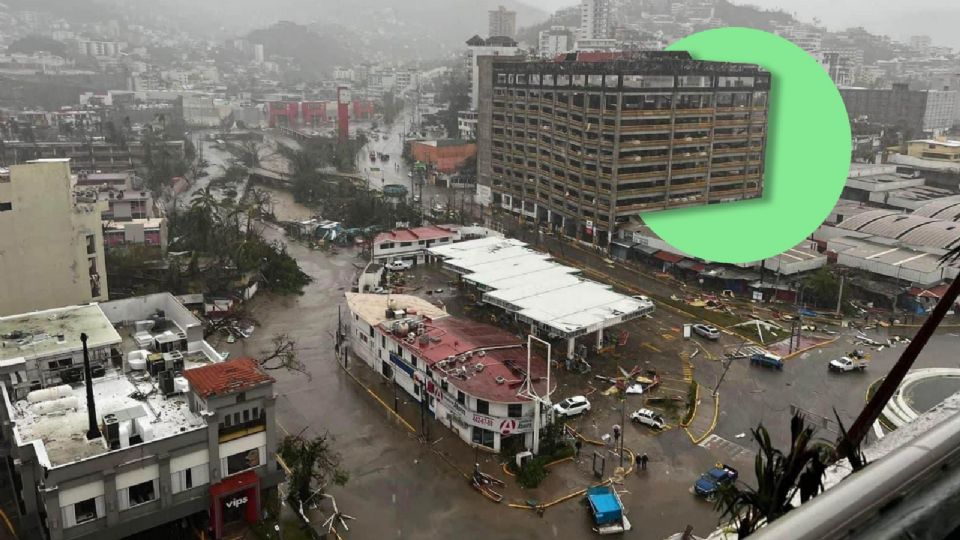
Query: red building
column 445, row 156
column 313, row 113
column 283, row 113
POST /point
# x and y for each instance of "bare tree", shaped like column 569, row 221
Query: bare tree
column 282, row 354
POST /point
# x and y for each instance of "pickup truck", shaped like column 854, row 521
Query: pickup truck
column 846, row 363
column 399, row 265
column 710, row 482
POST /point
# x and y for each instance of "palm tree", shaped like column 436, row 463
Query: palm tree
column 779, row 477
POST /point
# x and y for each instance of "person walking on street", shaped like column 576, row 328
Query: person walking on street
column 643, row 461
column 577, row 446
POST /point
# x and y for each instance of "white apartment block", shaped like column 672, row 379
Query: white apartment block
column 52, row 244
column 596, row 19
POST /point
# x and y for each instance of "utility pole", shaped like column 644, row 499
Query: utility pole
column 623, row 420
column 840, row 295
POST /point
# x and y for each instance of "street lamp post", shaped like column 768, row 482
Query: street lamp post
column 528, row 391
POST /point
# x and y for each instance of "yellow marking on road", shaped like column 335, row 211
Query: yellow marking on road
column 651, row 347
column 668, row 337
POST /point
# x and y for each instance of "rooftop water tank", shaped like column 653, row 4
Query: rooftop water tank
column 46, row 394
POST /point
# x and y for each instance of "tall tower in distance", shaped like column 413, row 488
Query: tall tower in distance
column 596, row 19
column 502, row 22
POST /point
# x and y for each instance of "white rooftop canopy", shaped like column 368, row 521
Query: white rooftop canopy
column 539, row 291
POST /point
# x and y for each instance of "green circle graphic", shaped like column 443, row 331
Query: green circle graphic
column 807, row 156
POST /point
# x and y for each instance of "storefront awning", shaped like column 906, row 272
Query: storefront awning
column 691, row 264
column 669, row 257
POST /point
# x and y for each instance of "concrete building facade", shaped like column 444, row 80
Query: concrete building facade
column 555, row 40
column 459, row 368
column 916, row 111
column 477, row 48
column 584, row 145
column 52, row 244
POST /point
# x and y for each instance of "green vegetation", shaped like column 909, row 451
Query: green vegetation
column 821, row 288
column 454, row 94
column 36, row 43
column 223, row 251
column 392, row 106
column 554, row 445
column 338, row 197
column 780, row 475
column 313, row 465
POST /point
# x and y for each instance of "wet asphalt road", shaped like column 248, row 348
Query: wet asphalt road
column 400, row 489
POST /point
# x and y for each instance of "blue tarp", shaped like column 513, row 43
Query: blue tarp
column 605, row 505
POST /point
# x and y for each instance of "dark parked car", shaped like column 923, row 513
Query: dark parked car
column 711, row 481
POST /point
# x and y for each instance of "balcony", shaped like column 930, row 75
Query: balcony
column 640, row 176
column 691, row 170
column 634, row 113
column 706, row 111
column 730, row 136
column 730, row 164
column 643, row 160
column 734, row 122
column 686, row 127
column 644, row 144
column 623, row 193
column 242, row 430
column 645, row 128
column 674, row 188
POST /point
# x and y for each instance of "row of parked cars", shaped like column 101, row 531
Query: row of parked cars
column 575, row 405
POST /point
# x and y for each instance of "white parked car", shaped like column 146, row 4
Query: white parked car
column 572, row 406
column 706, row 330
column 648, row 418
column 399, row 265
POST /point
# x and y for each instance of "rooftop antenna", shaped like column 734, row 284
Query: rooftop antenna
column 94, row 431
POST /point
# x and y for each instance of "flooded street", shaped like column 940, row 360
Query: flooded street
column 398, row 488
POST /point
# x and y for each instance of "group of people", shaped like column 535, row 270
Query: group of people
column 641, row 458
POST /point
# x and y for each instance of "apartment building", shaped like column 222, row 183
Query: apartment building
column 917, row 112
column 166, row 432
column 596, row 19
column 553, row 41
column 98, row 156
column 477, row 48
column 587, row 142
column 50, row 238
column 503, row 22
column 411, row 244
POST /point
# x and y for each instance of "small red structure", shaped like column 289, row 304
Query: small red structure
column 445, row 156
column 235, row 498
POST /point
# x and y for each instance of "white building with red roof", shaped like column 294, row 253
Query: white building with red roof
column 472, row 375
column 410, row 244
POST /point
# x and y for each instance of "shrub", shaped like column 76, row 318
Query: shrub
column 691, row 403
column 533, row 472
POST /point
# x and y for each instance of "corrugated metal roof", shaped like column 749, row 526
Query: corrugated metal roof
column 226, row 377
column 947, row 208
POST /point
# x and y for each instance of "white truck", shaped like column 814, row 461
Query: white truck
column 846, row 364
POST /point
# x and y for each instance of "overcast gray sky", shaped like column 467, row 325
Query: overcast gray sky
column 898, row 19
